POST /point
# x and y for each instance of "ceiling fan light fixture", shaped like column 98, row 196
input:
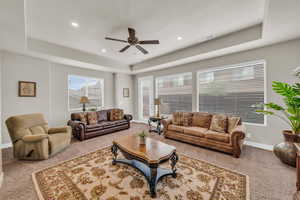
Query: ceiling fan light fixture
column 179, row 38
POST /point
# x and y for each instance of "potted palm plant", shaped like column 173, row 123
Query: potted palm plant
column 290, row 114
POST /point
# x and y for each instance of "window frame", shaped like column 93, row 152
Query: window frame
column 139, row 95
column 102, row 91
column 168, row 76
column 239, row 65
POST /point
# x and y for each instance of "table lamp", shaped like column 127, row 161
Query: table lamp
column 157, row 103
column 83, row 101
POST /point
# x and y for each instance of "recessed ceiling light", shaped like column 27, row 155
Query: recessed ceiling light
column 179, row 38
column 103, row 50
column 75, row 24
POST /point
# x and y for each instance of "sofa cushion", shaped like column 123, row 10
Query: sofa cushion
column 102, row 115
column 37, row 130
column 116, row 114
column 201, row 119
column 195, row 131
column 177, row 128
column 217, row 136
column 219, row 123
column 106, row 124
column 92, row 118
column 178, row 118
column 187, row 119
column 82, row 117
column 94, row 127
column 232, row 123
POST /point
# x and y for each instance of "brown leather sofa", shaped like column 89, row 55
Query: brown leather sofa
column 104, row 123
column 200, row 129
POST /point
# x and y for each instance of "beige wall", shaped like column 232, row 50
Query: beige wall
column 1, row 171
column 52, row 88
column 280, row 59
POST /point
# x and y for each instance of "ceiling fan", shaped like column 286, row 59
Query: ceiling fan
column 132, row 40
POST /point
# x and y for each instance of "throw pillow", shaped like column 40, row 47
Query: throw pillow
column 232, row 123
column 187, row 119
column 82, row 117
column 177, row 118
column 102, row 115
column 201, row 119
column 116, row 114
column 92, row 118
column 219, row 123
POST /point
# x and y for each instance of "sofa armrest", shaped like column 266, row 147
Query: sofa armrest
column 64, row 129
column 128, row 117
column 237, row 137
column 78, row 128
column 34, row 138
column 166, row 123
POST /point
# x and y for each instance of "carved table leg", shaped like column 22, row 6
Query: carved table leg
column 174, row 159
column 114, row 150
column 153, row 181
column 158, row 127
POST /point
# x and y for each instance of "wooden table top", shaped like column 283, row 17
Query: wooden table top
column 153, row 151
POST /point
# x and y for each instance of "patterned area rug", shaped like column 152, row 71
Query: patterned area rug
column 93, row 177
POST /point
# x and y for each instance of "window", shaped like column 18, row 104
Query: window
column 80, row 86
column 175, row 92
column 233, row 90
column 145, row 94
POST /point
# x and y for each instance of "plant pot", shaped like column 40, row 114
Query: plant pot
column 286, row 151
column 142, row 140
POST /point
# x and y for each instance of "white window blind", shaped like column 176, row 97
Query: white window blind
column 233, row 91
column 84, row 86
column 175, row 92
column 145, row 93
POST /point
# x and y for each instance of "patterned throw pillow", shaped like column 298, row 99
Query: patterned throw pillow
column 177, row 118
column 82, row 117
column 92, row 118
column 187, row 119
column 116, row 114
column 232, row 123
column 202, row 119
column 219, row 123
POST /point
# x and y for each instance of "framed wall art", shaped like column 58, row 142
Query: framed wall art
column 27, row 89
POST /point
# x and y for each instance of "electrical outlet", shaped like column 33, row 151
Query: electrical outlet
column 248, row 135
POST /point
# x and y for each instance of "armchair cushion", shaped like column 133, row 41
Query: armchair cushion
column 219, row 123
column 116, row 114
column 37, row 130
column 64, row 129
column 34, row 138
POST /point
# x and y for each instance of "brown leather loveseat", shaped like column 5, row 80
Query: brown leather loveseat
column 86, row 125
column 215, row 131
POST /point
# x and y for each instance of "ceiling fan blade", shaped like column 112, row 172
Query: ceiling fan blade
column 109, row 38
column 149, row 42
column 125, row 48
column 131, row 32
column 144, row 51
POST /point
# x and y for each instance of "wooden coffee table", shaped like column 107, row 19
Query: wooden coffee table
column 146, row 158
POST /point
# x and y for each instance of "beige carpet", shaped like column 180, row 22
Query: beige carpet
column 269, row 178
column 92, row 176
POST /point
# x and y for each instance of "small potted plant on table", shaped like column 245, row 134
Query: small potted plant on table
column 142, row 137
column 290, row 114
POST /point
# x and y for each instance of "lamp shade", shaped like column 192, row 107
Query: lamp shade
column 84, row 99
column 157, row 102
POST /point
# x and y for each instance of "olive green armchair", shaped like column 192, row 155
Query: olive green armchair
column 32, row 138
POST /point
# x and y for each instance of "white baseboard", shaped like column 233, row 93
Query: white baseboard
column 139, row 121
column 6, row 145
column 1, row 178
column 259, row 145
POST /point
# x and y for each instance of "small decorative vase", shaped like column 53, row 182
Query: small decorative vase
column 142, row 140
column 286, row 151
